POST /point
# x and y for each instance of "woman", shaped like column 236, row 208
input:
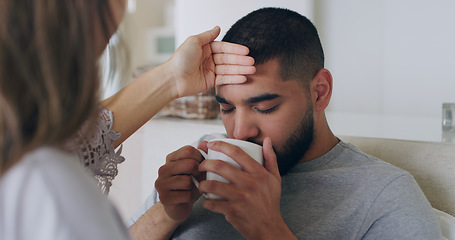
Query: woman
column 48, row 90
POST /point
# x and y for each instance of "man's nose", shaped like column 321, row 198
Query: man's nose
column 245, row 126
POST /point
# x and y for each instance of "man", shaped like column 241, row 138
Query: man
column 313, row 186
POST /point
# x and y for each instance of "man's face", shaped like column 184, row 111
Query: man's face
column 267, row 106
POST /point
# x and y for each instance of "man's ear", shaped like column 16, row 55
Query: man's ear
column 321, row 89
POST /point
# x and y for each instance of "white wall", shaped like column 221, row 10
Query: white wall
column 146, row 15
column 196, row 16
column 389, row 57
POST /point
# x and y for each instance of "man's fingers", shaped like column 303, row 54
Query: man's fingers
column 270, row 158
column 203, row 146
column 185, row 152
column 222, row 168
column 176, row 197
column 225, row 47
column 236, row 153
column 185, row 166
column 216, row 206
column 175, row 183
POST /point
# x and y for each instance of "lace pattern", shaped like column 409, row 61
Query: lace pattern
column 96, row 151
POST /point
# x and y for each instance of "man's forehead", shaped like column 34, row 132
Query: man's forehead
column 259, row 90
column 267, row 81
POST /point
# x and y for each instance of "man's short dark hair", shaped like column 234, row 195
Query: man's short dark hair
column 282, row 34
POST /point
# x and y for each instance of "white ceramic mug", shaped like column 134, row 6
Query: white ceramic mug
column 252, row 149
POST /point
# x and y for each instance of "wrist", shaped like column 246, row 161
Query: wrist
column 158, row 216
column 170, row 78
column 164, row 80
column 154, row 224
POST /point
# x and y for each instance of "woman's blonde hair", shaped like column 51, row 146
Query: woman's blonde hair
column 49, row 77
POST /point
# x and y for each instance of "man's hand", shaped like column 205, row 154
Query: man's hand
column 174, row 185
column 252, row 199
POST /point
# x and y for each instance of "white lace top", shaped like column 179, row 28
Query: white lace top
column 96, row 151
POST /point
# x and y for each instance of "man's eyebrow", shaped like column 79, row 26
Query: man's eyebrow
column 221, row 100
column 256, row 99
column 263, row 97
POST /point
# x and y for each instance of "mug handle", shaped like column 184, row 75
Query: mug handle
column 196, row 183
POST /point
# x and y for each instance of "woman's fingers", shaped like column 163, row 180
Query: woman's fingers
column 232, row 59
column 230, row 79
column 234, row 69
column 225, row 47
column 208, row 36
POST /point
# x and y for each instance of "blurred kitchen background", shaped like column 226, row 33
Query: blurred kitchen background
column 392, row 63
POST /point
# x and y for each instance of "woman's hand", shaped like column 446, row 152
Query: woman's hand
column 200, row 63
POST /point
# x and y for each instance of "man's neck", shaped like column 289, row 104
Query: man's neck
column 324, row 140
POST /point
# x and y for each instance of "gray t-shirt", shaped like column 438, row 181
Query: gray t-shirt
column 344, row 194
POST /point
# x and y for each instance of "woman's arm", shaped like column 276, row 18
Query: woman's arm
column 135, row 104
column 197, row 65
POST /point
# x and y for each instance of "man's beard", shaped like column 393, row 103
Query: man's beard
column 297, row 144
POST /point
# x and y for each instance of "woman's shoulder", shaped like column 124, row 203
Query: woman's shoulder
column 50, row 169
column 44, row 167
column 50, row 191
